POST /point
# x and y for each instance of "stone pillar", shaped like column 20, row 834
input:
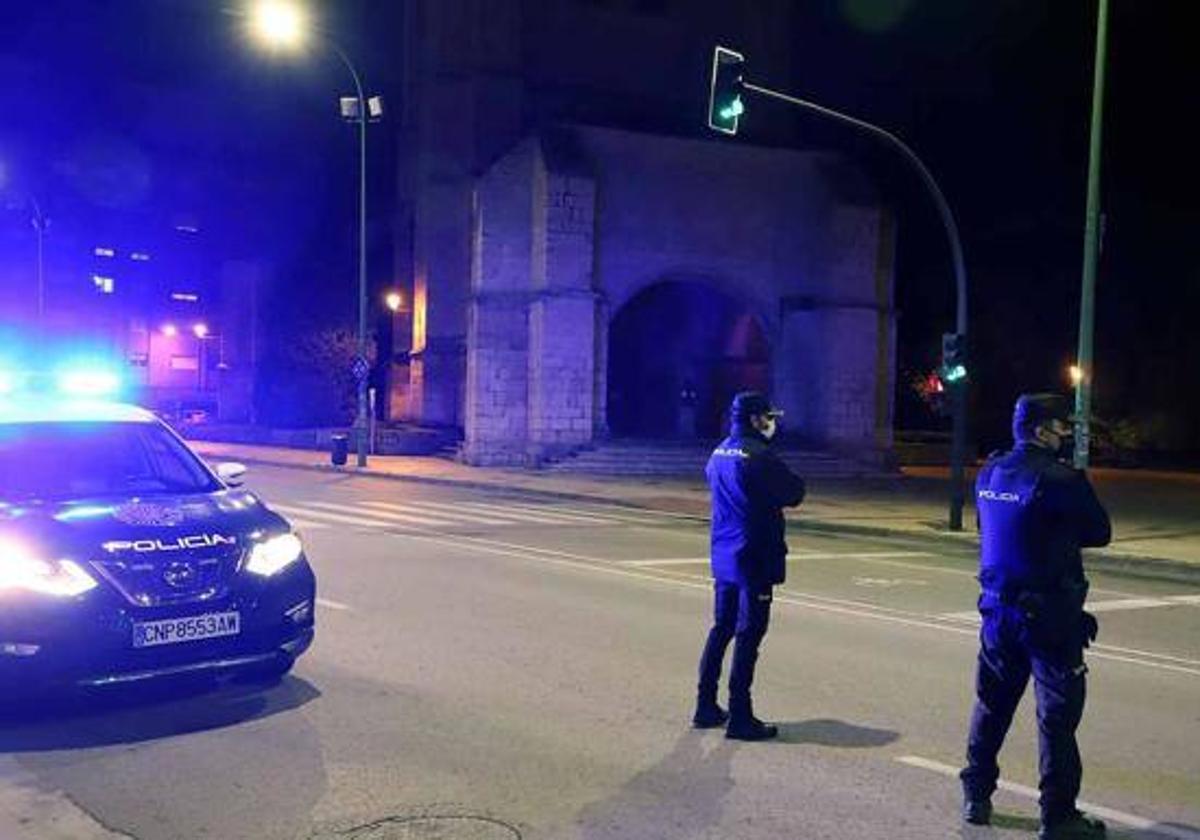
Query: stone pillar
column 562, row 357
column 497, row 382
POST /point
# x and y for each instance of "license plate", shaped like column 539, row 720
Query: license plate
column 190, row 628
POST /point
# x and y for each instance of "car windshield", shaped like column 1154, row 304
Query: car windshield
column 59, row 461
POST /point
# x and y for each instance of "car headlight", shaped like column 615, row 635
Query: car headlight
column 21, row 569
column 274, row 554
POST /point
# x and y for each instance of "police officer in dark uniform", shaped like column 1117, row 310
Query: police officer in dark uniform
column 750, row 487
column 1035, row 513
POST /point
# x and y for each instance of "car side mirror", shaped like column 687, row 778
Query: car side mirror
column 232, row 473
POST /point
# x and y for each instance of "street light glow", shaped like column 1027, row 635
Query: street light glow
column 393, row 301
column 200, row 329
column 278, row 23
column 169, row 330
column 1076, row 374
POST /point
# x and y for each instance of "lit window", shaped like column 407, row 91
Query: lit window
column 104, row 252
column 104, row 285
column 186, row 297
column 138, row 256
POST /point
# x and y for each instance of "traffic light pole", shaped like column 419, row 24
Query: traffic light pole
column 1091, row 249
column 958, row 391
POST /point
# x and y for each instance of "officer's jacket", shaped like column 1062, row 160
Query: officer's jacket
column 1035, row 513
column 750, row 487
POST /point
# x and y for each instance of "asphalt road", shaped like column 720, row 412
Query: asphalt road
column 501, row 666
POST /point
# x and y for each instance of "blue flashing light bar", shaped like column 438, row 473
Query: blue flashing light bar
column 88, row 382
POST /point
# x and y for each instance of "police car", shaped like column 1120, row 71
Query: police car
column 124, row 558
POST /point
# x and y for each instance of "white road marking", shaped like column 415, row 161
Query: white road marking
column 449, row 511
column 851, row 608
column 531, row 511
column 855, row 555
column 1110, row 814
column 1103, row 606
column 359, row 521
column 886, row 583
column 1193, row 600
column 306, row 524
column 407, row 518
column 333, row 605
column 795, row 555
column 665, row 561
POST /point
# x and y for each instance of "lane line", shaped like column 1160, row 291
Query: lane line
column 665, row 561
column 333, row 605
column 1110, row 814
column 352, row 510
column 1104, row 606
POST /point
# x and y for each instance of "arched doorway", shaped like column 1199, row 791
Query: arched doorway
column 678, row 352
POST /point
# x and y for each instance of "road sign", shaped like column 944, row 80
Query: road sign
column 361, row 368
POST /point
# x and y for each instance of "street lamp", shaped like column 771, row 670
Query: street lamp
column 285, row 25
column 393, row 301
column 1075, row 372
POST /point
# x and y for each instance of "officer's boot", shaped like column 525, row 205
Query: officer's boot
column 708, row 714
column 977, row 811
column 744, row 726
column 1077, row 826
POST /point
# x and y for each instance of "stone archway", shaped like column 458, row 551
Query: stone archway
column 677, row 352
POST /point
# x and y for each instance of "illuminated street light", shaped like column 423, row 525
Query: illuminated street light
column 200, row 329
column 279, row 24
column 1076, row 374
column 393, row 301
column 283, row 24
column 169, row 330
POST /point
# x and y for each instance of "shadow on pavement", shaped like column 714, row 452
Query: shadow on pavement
column 1008, row 822
column 835, row 733
column 682, row 795
column 147, row 714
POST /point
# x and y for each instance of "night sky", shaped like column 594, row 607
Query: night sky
column 994, row 95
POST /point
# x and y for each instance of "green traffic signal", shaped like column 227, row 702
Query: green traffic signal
column 725, row 106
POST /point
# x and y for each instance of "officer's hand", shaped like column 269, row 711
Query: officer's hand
column 1091, row 628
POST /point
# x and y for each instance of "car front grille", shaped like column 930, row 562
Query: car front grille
column 178, row 580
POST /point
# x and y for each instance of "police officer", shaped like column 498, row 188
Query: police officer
column 1035, row 513
column 750, row 487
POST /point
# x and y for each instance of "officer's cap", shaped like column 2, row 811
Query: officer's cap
column 1033, row 410
column 749, row 404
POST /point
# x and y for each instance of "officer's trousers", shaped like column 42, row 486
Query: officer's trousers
column 1012, row 647
column 741, row 613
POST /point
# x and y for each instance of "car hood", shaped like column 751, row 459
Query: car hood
column 150, row 525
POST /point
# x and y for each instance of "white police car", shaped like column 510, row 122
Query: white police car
column 124, row 558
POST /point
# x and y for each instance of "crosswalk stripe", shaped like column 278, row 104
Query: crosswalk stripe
column 588, row 513
column 415, row 518
column 306, row 524
column 360, row 521
column 530, row 512
column 514, row 515
column 447, row 511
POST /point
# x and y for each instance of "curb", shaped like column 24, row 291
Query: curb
column 1142, row 566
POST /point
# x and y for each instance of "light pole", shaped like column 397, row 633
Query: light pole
column 1091, row 250
column 282, row 24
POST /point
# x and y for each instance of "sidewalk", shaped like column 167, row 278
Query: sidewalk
column 1156, row 515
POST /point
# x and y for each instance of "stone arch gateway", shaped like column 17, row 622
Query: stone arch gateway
column 583, row 237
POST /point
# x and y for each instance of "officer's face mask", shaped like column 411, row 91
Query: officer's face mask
column 769, row 427
column 1062, row 441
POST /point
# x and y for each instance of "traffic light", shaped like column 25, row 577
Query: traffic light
column 954, row 358
column 725, row 106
